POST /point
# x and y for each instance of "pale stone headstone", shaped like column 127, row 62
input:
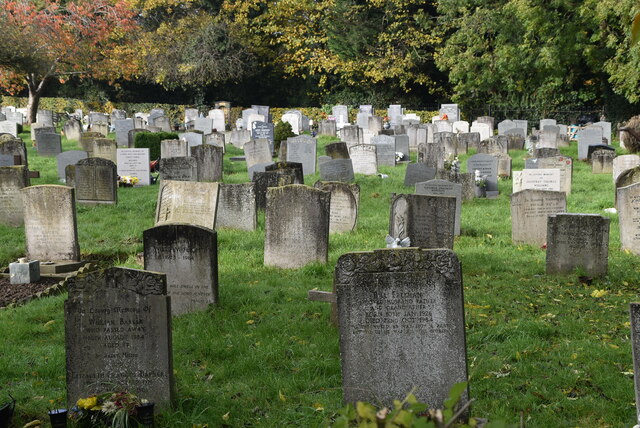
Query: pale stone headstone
column 545, row 122
column 100, row 128
column 72, row 129
column 606, row 130
column 105, row 148
column 529, row 211
column 68, row 158
column 451, row 110
column 488, row 166
column 394, row 112
column 327, row 127
column 294, row 120
column 15, row 116
column 208, row 162
column 122, row 128
column 302, row 149
column 522, row 124
column 188, row 255
column 460, row 127
column 9, row 127
column 549, row 137
column 362, row 120
column 351, row 135
column 237, row 207
column 486, row 120
column 538, row 179
column 428, row 221
column 484, row 129
column 345, row 201
column 187, row 202
column 624, row 162
column 504, row 165
column 443, row 126
column 628, row 204
column 51, row 232
column 203, row 124
column 375, row 124
column 401, row 317
column 337, row 170
column 385, row 150
column 602, row 161
column 257, row 152
column 95, row 117
column 469, row 140
column 96, row 181
column 443, row 188
column 173, row 148
column 263, row 110
column 12, row 180
column 215, row 139
column 45, row 117
column 161, row 122
column 578, row 241
column 218, row 119
column 364, row 159
column 118, row 335
column 134, row 163
column 240, row 137
column 505, row 125
column 341, row 115
column 190, row 115
column 296, row 226
column 49, row 144
column 589, row 136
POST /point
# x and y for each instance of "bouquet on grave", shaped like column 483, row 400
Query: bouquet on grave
column 127, row 181
column 110, row 409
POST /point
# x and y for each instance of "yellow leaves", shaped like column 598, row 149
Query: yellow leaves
column 250, row 322
column 599, row 293
column 574, row 356
column 49, row 323
column 318, row 407
column 612, row 346
column 281, row 396
column 226, row 416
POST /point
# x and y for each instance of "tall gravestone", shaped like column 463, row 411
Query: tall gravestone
column 296, row 226
column 118, row 335
column 302, row 149
column 49, row 144
column 237, row 207
column 51, row 232
column 428, row 221
column 590, row 136
column 443, row 188
column 122, row 128
column 578, row 241
column 72, row 129
column 12, row 180
column 628, row 198
column 208, row 162
column 529, row 212
column 96, row 181
column 188, row 255
column 385, row 150
column 345, row 200
column 401, row 317
column 187, row 202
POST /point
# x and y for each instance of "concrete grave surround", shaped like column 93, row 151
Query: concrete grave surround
column 237, row 207
column 188, row 255
column 96, row 181
column 50, row 228
column 296, row 226
column 577, row 241
column 134, row 163
column 439, row 187
column 401, row 317
column 428, row 221
column 12, row 180
column 529, row 211
column 187, row 202
column 345, row 202
column 134, row 302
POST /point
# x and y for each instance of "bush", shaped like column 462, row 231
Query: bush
column 151, row 140
column 281, row 132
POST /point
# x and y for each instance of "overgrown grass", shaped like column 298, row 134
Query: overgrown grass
column 266, row 356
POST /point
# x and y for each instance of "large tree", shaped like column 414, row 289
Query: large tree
column 54, row 40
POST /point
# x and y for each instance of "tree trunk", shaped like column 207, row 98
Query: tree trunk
column 35, row 93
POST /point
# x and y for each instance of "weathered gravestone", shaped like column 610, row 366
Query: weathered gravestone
column 443, row 188
column 239, row 138
column 203, row 124
column 208, row 162
column 296, row 226
column 264, row 180
column 337, row 150
column 134, row 163
column 484, row 129
column 87, row 139
column 100, row 128
column 351, row 135
column 105, row 148
column 460, row 127
column 12, row 180
column 537, row 179
column 337, row 170
column 599, row 147
column 192, row 138
column 183, row 168
column 187, row 202
column 302, row 149
column 549, row 137
column 345, row 200
column 602, row 161
column 122, row 128
column 51, row 232
column 188, row 255
column 428, row 221
column 401, row 317
column 341, row 114
column 218, row 119
column 327, row 127
column 588, row 137
column 546, row 152
column 9, row 127
column 621, row 164
column 505, row 125
column 131, row 136
column 634, row 312
column 577, row 241
column 417, row 172
column 70, row 175
column 49, row 144
column 504, row 165
column 464, row 179
column 375, row 124
column 118, row 335
column 515, row 141
column 72, row 129
column 96, row 181
column 15, row 149
column 385, row 150
column 563, row 163
column 529, row 211
column 215, row 139
column 237, row 207
column 627, row 178
column 293, row 167
column 488, row 167
column 494, row 145
column 628, row 198
column 173, row 148
column 45, row 117
column 470, row 140
column 257, row 152
column 431, row 154
column 364, row 159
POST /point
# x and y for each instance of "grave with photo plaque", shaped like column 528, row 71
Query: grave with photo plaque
column 428, row 221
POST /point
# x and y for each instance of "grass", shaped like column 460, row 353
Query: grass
column 266, row 356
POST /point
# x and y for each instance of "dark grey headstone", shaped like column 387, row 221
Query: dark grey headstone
column 262, row 130
column 417, row 172
column 208, row 162
column 264, row 180
column 337, row 170
column 296, row 167
column 443, row 188
column 49, row 144
column 179, row 168
column 428, row 221
column 122, row 128
column 488, row 166
column 96, row 181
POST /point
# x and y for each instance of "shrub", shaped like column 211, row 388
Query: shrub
column 151, row 140
column 281, row 132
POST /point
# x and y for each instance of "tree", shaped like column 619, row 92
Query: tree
column 57, row 40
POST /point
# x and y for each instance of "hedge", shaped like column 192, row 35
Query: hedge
column 152, row 140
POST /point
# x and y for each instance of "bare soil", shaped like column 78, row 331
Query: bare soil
column 10, row 293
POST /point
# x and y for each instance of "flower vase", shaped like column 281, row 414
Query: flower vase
column 386, row 125
column 481, row 192
column 58, row 418
column 144, row 415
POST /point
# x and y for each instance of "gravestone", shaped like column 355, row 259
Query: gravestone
column 514, row 140
column 337, row 170
column 193, row 138
column 295, row 120
column 401, row 317
column 577, row 241
column 12, row 180
column 208, row 162
column 563, row 163
column 237, row 207
column 100, row 128
column 219, row 122
column 49, row 144
column 432, row 155
column 117, row 114
column 385, row 150
column 603, row 147
column 72, row 129
column 134, row 163
column 505, row 125
column 327, row 127
column 15, row 116
column 428, row 221
column 628, row 204
column 394, row 113
column 50, row 228
column 161, row 122
column 621, row 164
column 257, row 152
column 293, row 167
column 351, row 135
column 549, row 137
column 364, row 159
column 302, row 149
column 215, row 139
column 418, row 172
column 95, row 117
column 70, row 175
column 190, row 115
column 264, row 180
column 529, row 211
column 262, row 130
column 187, row 202
column 627, row 178
column 15, row 149
column 96, row 181
column 105, row 148
column 341, row 114
column 402, row 146
column 606, row 130
column 188, row 255
column 484, row 129
column 504, row 165
column 203, row 124
column 488, row 166
column 464, row 179
column 451, row 110
column 487, row 120
column 122, row 128
column 375, row 124
column 345, row 201
column 443, row 188
column 86, row 141
column 362, row 120
column 131, row 137
column 545, row 122
column 262, row 110
column 546, row 152
column 460, row 127
column 45, row 117
column 240, row 137
column 337, row 150
column 183, row 168
column 296, row 226
column 469, row 140
column 602, row 162
column 9, row 127
column 173, row 148
column 494, row 146
column 537, row 179
column 588, row 137
column 118, row 335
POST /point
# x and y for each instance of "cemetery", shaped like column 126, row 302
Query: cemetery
column 264, row 287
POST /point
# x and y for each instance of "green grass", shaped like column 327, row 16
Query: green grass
column 268, row 357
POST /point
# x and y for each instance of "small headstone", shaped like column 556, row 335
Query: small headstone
column 105, row 148
column 193, row 138
column 428, row 221
column 12, row 180
column 237, row 207
column 262, row 130
column 529, row 211
column 302, row 149
column 385, row 150
column 578, row 241
column 364, row 159
column 337, row 150
column 351, row 135
column 203, row 124
column 443, row 188
column 494, row 146
column 134, row 163
column 13, row 148
column 375, row 124
column 173, row 148
column 208, row 162
column 96, row 181
column 9, row 127
column 488, row 166
column 327, row 127
column 337, row 170
column 100, row 128
column 345, row 201
column 215, row 139
column 179, row 168
column 341, row 113
column 49, row 144
column 122, row 128
column 485, row 130
column 505, row 125
column 432, row 155
column 470, row 140
column 628, row 204
column 549, row 137
column 296, row 226
column 602, row 162
column 546, row 152
column 72, row 129
column 45, row 117
column 587, row 137
column 418, row 172
column 504, row 165
column 602, row 147
column 240, row 137
column 187, row 202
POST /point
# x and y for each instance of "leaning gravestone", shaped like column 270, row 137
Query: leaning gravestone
column 134, row 163
column 237, row 207
column 296, row 226
column 364, row 159
column 428, row 221
column 183, row 168
column 417, row 172
column 578, row 241
column 401, row 317
column 628, row 198
column 337, row 150
column 51, row 232
column 337, row 170
column 529, row 211
column 302, row 149
column 118, row 335
column 188, row 255
column 12, row 180
column 96, row 181
column 187, row 202
column 105, row 148
column 68, row 158
column 208, row 162
column 49, row 144
column 488, row 166
column 345, row 199
column 443, row 188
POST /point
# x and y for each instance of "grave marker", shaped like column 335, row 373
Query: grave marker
column 529, row 211
column 208, row 162
column 443, row 188
column 345, row 200
column 134, row 163
column 428, row 221
column 337, row 170
column 184, row 168
column 237, row 207
column 628, row 204
column 12, row 180
column 187, row 202
column 96, row 181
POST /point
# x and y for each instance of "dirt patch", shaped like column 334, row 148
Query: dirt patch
column 18, row 293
